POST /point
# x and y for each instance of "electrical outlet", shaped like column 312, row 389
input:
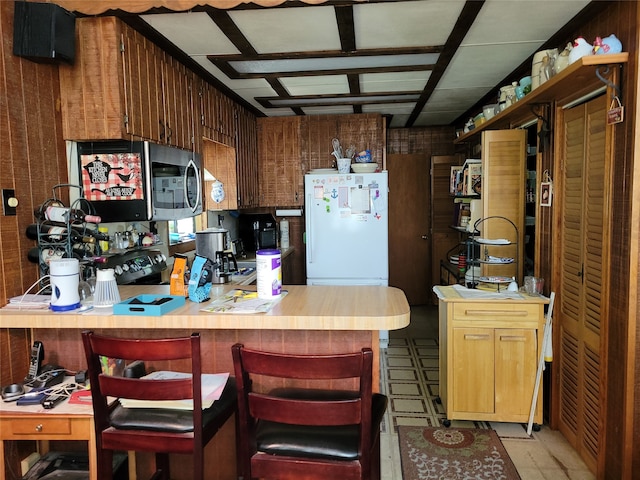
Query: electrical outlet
column 9, row 201
column 28, row 462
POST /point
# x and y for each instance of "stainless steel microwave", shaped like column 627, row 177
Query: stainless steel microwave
column 140, row 181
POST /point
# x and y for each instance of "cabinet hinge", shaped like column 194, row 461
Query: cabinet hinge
column 126, row 120
column 121, row 47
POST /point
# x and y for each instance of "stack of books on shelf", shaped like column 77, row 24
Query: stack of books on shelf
column 466, row 180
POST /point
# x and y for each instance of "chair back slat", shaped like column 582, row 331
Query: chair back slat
column 305, row 412
column 142, row 349
column 325, row 367
column 174, row 389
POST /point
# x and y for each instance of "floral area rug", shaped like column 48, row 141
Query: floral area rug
column 453, row 454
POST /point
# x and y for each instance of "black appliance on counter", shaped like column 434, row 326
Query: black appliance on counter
column 140, row 266
column 258, row 231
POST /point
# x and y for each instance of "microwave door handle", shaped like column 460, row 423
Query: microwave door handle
column 192, row 164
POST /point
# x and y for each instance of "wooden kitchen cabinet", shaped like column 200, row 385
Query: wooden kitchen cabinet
column 218, row 115
column 226, row 123
column 280, row 171
column 122, row 85
column 247, row 158
column 489, row 352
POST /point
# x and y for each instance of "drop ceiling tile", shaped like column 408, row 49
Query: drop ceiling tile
column 437, row 118
column 484, row 65
column 455, row 98
column 317, row 85
column 404, row 24
column 394, row 82
column 514, row 21
column 281, row 30
column 194, row 33
column 389, row 108
column 233, row 84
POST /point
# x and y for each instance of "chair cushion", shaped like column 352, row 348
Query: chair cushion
column 171, row 420
column 337, row 443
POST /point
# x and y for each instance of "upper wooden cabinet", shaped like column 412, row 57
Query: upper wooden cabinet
column 247, row 158
column 217, row 115
column 122, row 86
column 279, row 161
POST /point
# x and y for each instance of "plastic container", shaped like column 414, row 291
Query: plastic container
column 269, row 273
column 284, row 233
column 489, row 111
column 65, row 279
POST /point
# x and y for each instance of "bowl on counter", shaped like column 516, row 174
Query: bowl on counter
column 364, row 167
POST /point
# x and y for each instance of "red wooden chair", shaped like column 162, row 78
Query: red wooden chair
column 162, row 431
column 294, row 433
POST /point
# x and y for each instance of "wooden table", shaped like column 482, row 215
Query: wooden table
column 309, row 319
column 33, row 422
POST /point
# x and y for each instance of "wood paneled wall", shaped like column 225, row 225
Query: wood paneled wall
column 32, row 161
column 428, row 140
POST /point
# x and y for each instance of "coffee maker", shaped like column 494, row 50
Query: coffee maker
column 265, row 234
column 213, row 243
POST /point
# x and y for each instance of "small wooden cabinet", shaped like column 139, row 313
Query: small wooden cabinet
column 220, row 161
column 280, row 170
column 489, row 352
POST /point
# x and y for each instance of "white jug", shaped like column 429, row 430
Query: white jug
column 65, row 278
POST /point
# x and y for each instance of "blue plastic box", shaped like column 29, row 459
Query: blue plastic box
column 149, row 305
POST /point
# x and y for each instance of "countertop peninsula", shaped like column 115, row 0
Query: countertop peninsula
column 303, row 308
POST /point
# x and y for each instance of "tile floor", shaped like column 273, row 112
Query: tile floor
column 409, row 377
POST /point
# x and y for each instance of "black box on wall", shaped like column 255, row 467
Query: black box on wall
column 43, row 32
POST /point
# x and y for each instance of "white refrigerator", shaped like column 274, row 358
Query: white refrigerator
column 346, row 230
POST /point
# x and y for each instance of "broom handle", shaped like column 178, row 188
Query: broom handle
column 536, row 388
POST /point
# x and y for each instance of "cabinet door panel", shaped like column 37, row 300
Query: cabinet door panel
column 515, row 357
column 220, row 161
column 473, row 375
column 503, row 194
column 281, row 180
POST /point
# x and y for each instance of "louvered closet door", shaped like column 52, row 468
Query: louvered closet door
column 584, row 220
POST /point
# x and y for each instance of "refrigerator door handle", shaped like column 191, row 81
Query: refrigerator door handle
column 308, row 237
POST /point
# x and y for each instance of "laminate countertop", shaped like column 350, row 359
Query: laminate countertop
column 356, row 308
